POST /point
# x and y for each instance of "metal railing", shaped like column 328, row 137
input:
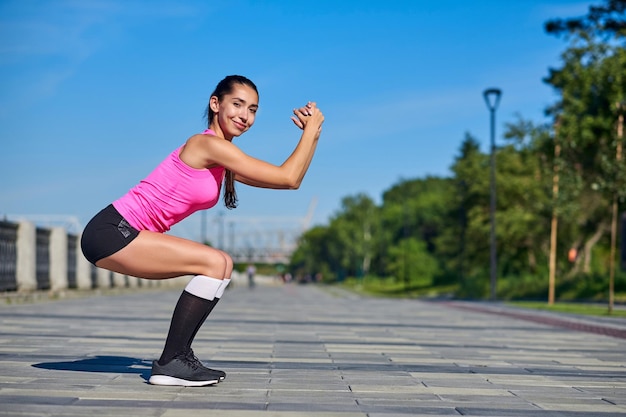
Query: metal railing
column 49, row 259
column 43, row 258
column 8, row 256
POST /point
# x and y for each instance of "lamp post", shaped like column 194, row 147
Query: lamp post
column 220, row 232
column 492, row 98
column 203, row 228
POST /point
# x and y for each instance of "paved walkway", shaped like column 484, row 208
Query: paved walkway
column 307, row 351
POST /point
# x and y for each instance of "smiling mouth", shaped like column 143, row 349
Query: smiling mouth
column 239, row 125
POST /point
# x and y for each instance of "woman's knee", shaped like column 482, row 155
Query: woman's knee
column 228, row 270
column 220, row 264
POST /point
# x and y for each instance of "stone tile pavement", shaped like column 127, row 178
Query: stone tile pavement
column 304, row 350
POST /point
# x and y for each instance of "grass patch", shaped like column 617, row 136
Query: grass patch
column 390, row 288
column 586, row 309
column 396, row 289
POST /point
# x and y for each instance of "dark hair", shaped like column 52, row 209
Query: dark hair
column 226, row 87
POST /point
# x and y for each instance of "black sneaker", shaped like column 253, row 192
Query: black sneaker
column 181, row 371
column 193, row 358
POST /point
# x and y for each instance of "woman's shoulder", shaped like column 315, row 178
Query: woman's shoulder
column 199, row 140
column 207, row 141
column 203, row 150
column 201, row 137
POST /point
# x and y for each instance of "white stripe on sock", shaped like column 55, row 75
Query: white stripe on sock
column 220, row 290
column 203, row 286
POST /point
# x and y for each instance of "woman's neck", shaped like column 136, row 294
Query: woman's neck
column 219, row 132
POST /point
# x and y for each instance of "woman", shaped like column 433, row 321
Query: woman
column 128, row 235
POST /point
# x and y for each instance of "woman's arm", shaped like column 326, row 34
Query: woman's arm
column 207, row 150
column 301, row 119
column 260, row 184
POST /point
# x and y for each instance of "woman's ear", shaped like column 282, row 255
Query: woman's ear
column 214, row 103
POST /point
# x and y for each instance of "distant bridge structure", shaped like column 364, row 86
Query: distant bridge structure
column 259, row 240
column 268, row 240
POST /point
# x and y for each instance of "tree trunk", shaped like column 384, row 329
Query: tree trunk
column 589, row 244
column 618, row 158
column 555, row 221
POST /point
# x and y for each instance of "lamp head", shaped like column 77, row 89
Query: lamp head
column 492, row 97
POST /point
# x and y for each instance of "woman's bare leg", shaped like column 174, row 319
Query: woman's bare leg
column 158, row 256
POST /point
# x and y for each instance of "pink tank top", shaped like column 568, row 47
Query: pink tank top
column 172, row 192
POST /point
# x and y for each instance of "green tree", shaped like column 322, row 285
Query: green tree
column 315, row 254
column 523, row 200
column 411, row 263
column 419, row 209
column 467, row 245
column 354, row 228
column 521, row 211
column 592, row 87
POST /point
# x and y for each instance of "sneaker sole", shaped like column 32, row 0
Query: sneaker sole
column 171, row 381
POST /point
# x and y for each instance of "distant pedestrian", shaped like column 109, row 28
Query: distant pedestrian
column 128, row 235
column 251, row 270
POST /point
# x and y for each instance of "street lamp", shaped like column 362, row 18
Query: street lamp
column 492, row 98
column 220, row 231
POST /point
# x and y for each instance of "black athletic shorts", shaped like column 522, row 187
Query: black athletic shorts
column 105, row 234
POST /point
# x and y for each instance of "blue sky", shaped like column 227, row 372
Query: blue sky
column 94, row 94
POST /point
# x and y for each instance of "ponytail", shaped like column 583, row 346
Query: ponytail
column 230, row 194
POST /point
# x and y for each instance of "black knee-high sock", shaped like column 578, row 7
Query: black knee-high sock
column 201, row 322
column 189, row 314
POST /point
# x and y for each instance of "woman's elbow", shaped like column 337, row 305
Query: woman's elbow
column 292, row 181
column 294, row 185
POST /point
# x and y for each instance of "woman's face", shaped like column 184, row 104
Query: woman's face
column 236, row 111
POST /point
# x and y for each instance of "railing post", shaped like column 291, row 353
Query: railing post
column 83, row 268
column 133, row 282
column 58, row 259
column 26, row 268
column 8, row 256
column 119, row 280
column 104, row 278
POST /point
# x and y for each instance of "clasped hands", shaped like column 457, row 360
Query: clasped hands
column 307, row 113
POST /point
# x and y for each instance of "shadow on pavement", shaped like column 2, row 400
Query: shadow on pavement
column 108, row 364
